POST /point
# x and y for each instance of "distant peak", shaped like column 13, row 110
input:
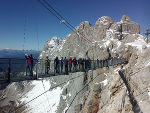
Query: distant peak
column 125, row 19
column 6, row 48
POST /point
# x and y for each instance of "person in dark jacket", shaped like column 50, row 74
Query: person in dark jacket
column 80, row 63
column 56, row 64
column 47, row 65
column 61, row 64
column 97, row 66
column 66, row 65
column 86, row 64
column 83, row 64
column 75, row 64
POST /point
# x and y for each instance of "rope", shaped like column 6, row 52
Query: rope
column 60, row 17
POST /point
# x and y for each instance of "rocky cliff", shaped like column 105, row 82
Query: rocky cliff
column 86, row 39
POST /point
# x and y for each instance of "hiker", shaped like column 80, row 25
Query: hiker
column 79, row 63
column 86, row 64
column 89, row 63
column 70, row 64
column 75, row 64
column 61, row 64
column 27, row 66
column 66, row 65
column 30, row 63
column 83, row 64
column 56, row 64
column 47, row 65
column 97, row 63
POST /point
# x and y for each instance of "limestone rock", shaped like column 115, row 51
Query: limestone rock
column 129, row 26
column 125, row 19
column 105, row 21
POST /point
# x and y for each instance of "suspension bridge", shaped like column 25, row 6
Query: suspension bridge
column 14, row 70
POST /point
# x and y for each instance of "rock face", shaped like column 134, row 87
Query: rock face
column 129, row 26
column 52, row 47
column 86, row 39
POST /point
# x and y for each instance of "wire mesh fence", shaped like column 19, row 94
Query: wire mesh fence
column 19, row 69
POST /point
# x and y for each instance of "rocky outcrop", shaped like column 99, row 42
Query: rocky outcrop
column 129, row 26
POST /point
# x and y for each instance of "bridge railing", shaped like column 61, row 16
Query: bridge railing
column 12, row 69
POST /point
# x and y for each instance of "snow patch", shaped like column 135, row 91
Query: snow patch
column 149, row 93
column 103, row 20
column 141, row 101
column 69, row 94
column 64, row 97
column 68, row 35
column 44, row 103
column 64, row 111
column 118, row 43
column 148, row 64
column 104, row 82
column 107, row 43
column 138, row 43
column 105, row 74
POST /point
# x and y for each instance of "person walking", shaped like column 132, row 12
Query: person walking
column 27, row 66
column 66, row 65
column 80, row 63
column 61, row 64
column 75, row 64
column 30, row 63
column 70, row 64
column 47, row 65
column 56, row 64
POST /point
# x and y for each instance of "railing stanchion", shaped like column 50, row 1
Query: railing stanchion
column 36, row 69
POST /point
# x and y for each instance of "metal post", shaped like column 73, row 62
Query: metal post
column 9, row 69
column 36, row 70
column 147, row 34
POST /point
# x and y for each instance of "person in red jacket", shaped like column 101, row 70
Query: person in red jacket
column 70, row 64
column 30, row 64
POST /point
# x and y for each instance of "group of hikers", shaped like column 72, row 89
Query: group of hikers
column 65, row 65
column 71, row 64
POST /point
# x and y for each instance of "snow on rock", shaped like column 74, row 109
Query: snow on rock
column 149, row 93
column 64, row 111
column 105, row 20
column 68, row 35
column 104, row 82
column 148, row 64
column 107, row 43
column 47, row 102
column 139, row 43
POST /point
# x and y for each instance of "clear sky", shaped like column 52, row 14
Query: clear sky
column 41, row 24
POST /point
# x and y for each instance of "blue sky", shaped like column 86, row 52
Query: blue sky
column 41, row 24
